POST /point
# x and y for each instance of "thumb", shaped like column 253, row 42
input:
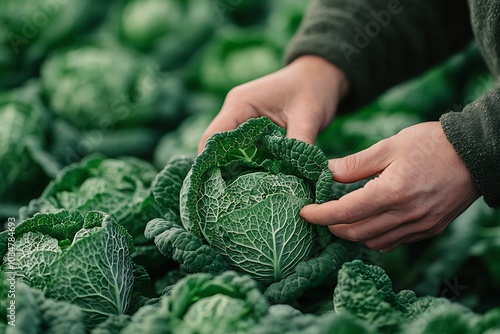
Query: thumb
column 361, row 165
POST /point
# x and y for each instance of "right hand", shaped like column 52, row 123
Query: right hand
column 302, row 97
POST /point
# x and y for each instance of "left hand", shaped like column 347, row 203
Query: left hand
column 420, row 188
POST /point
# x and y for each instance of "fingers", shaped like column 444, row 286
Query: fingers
column 389, row 230
column 302, row 130
column 363, row 164
column 232, row 114
column 386, row 231
column 303, row 123
column 368, row 229
column 350, row 208
column 367, row 215
column 219, row 124
column 409, row 232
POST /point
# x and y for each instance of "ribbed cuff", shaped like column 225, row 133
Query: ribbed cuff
column 379, row 43
column 475, row 135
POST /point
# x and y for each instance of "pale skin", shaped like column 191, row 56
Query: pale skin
column 420, row 183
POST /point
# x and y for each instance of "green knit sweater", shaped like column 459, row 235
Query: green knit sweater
column 379, row 43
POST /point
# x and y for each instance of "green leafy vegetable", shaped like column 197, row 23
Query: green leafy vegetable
column 120, row 187
column 25, row 164
column 157, row 27
column 235, row 57
column 239, row 207
column 183, row 141
column 29, row 31
column 33, row 312
column 103, row 88
column 81, row 260
column 200, row 303
column 365, row 291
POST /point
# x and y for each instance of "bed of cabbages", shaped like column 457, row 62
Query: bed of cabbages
column 102, row 105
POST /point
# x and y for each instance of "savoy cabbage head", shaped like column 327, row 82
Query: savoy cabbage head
column 27, row 160
column 30, row 30
column 36, row 313
column 96, row 87
column 22, row 123
column 201, row 303
column 119, row 187
column 365, row 292
column 237, row 206
column 84, row 260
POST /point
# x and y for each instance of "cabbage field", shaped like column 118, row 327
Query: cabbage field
column 111, row 223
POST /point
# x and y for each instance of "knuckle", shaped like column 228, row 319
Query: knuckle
column 343, row 232
column 436, row 229
column 235, row 94
column 398, row 190
column 345, row 216
column 352, row 234
column 380, row 147
column 373, row 245
column 351, row 163
column 416, row 215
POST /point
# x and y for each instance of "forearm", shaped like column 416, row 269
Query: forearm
column 475, row 135
column 378, row 43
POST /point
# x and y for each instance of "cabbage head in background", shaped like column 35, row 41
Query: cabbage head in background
column 201, row 303
column 168, row 31
column 105, row 88
column 25, row 165
column 30, row 30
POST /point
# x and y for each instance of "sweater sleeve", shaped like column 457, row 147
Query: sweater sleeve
column 379, row 43
column 475, row 135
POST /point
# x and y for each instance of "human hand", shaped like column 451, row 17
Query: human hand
column 420, row 188
column 302, row 97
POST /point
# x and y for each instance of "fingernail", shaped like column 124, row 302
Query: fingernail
column 331, row 164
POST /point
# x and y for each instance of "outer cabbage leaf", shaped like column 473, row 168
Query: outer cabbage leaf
column 283, row 318
column 234, row 57
column 112, row 325
column 35, row 313
column 150, row 319
column 445, row 318
column 183, row 140
column 168, row 183
column 366, row 291
column 490, row 320
column 99, row 263
column 81, row 260
column 174, row 242
column 309, row 274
